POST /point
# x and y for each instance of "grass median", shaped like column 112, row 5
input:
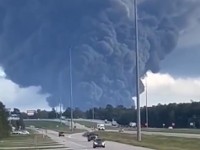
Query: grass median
column 187, row 131
column 51, row 125
column 31, row 141
column 87, row 123
column 153, row 141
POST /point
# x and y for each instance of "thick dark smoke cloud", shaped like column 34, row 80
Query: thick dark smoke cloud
column 36, row 35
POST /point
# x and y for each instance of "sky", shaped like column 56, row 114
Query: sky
column 14, row 96
column 162, row 88
column 187, row 52
column 177, row 80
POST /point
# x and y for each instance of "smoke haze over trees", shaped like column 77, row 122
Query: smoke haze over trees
column 35, row 38
column 181, row 114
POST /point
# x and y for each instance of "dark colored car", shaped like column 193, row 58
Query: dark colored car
column 99, row 143
column 87, row 134
column 92, row 137
column 61, row 134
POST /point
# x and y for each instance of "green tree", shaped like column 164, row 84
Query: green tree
column 52, row 114
column 4, row 124
column 42, row 114
column 67, row 113
column 18, row 124
column 78, row 113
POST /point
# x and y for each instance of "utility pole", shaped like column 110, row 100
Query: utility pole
column 93, row 116
column 93, row 101
column 71, row 88
column 147, row 115
column 60, row 112
column 137, row 74
column 56, row 112
column 93, row 113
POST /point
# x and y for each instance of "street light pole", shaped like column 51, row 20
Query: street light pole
column 137, row 74
column 93, row 113
column 93, row 98
column 71, row 86
column 60, row 112
column 93, row 116
column 147, row 115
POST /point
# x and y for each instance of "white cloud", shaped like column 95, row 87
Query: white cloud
column 12, row 95
column 2, row 73
column 164, row 89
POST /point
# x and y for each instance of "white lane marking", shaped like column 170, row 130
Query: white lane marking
column 77, row 144
column 70, row 136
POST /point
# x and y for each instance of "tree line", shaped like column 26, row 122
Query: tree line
column 180, row 115
column 19, row 123
column 7, row 125
column 4, row 124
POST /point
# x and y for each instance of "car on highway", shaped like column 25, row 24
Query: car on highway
column 92, row 137
column 101, row 126
column 132, row 124
column 20, row 132
column 61, row 134
column 87, row 134
column 99, row 143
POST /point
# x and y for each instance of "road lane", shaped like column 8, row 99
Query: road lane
column 78, row 138
column 78, row 142
column 184, row 135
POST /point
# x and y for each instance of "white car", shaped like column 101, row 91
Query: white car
column 21, row 132
column 132, row 124
column 100, row 126
column 25, row 132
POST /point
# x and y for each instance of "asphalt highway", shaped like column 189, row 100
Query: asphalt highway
column 78, row 142
column 184, row 135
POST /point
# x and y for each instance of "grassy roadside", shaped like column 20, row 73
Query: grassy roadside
column 153, row 141
column 50, row 125
column 189, row 131
column 87, row 123
column 31, row 141
column 94, row 124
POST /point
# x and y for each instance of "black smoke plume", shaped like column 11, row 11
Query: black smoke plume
column 36, row 35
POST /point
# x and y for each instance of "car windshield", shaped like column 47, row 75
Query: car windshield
column 99, row 140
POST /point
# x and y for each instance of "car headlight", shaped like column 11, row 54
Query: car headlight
column 103, row 143
column 95, row 143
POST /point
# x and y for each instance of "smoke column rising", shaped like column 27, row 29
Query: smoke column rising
column 36, row 35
